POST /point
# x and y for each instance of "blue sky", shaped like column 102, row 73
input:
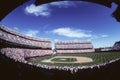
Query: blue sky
column 66, row 21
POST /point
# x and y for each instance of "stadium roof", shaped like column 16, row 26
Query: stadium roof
column 6, row 6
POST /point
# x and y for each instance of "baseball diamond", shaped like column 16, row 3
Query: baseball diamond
column 84, row 59
column 68, row 59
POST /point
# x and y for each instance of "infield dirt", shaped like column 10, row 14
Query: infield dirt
column 79, row 59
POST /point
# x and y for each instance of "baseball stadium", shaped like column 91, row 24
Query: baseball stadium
column 23, row 57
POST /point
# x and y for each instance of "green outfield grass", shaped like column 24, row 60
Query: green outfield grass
column 98, row 58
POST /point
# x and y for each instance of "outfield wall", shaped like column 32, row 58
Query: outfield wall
column 75, row 51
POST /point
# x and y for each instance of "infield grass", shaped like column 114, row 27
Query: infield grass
column 64, row 60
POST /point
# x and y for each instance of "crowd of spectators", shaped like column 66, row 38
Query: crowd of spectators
column 17, row 33
column 116, row 46
column 74, row 47
column 19, row 54
column 12, row 36
column 14, row 53
column 36, row 53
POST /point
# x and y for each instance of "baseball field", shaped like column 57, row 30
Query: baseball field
column 81, row 59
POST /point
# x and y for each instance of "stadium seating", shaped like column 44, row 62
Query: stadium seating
column 116, row 46
column 74, row 47
column 19, row 47
column 20, row 54
column 14, row 37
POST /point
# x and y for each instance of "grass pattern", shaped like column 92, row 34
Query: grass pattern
column 64, row 60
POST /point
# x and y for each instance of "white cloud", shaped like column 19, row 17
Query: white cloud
column 42, row 10
column 73, row 33
column 32, row 33
column 56, row 40
column 104, row 36
column 63, row 4
column 98, row 36
column 16, row 28
column 45, row 9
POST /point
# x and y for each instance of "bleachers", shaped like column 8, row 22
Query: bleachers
column 74, row 47
column 19, row 54
column 14, row 37
column 116, row 46
column 19, row 47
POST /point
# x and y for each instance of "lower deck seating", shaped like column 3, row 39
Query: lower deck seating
column 20, row 54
